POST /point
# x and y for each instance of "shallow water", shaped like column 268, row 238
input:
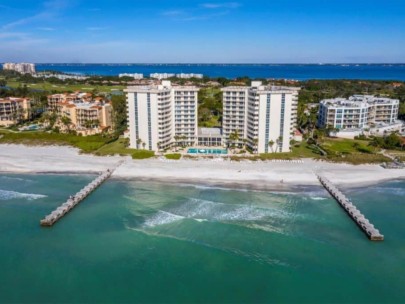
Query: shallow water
column 150, row 242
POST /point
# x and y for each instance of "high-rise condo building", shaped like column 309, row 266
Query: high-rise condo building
column 357, row 112
column 263, row 117
column 160, row 116
column 23, row 68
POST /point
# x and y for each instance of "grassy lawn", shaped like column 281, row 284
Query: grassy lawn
column 341, row 145
column 119, row 147
column 96, row 144
column 339, row 150
column 85, row 144
column 300, row 151
column 2, row 130
column 360, row 158
column 351, row 151
column 46, row 86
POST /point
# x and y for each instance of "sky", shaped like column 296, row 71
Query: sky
column 205, row 31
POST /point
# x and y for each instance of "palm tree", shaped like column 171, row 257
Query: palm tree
column 255, row 142
column 234, row 137
column 271, row 144
column 244, row 143
column 279, row 141
column 182, row 140
column 176, row 139
column 138, row 143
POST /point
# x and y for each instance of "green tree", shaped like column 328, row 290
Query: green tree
column 66, row 121
column 271, row 144
column 255, row 142
column 119, row 114
column 279, row 141
column 138, row 143
column 234, row 137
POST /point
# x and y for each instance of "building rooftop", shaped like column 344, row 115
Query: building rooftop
column 165, row 85
column 210, row 132
column 357, row 101
column 9, row 99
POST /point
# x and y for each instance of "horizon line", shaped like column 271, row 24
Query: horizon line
column 218, row 63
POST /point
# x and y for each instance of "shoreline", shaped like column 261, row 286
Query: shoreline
column 220, row 184
column 264, row 175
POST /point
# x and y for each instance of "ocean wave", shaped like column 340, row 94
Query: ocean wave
column 16, row 179
column 204, row 210
column 318, row 198
column 207, row 187
column 8, row 195
column 162, row 218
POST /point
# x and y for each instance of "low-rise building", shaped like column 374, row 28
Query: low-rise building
column 162, row 75
column 131, row 75
column 357, row 112
column 189, row 75
column 13, row 110
column 87, row 115
column 210, row 137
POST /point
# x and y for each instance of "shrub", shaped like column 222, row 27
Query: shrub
column 175, row 156
column 142, row 154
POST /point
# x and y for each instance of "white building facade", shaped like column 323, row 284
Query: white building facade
column 23, row 68
column 189, row 75
column 159, row 116
column 132, row 75
column 357, row 112
column 162, row 75
column 260, row 115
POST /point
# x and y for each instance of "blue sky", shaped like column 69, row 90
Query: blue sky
column 176, row 31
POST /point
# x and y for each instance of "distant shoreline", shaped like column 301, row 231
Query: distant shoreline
column 290, row 71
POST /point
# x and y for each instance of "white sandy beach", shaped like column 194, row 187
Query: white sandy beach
column 271, row 175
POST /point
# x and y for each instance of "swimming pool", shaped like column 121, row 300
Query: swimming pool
column 207, row 151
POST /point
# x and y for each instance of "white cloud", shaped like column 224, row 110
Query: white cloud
column 201, row 12
column 231, row 5
column 51, row 9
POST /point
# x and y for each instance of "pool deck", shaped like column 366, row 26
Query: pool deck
column 207, row 151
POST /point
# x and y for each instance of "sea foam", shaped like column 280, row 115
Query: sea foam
column 8, row 195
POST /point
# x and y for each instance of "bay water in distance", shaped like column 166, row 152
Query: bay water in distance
column 150, row 242
column 277, row 71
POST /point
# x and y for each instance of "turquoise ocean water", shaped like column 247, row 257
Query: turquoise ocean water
column 144, row 242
